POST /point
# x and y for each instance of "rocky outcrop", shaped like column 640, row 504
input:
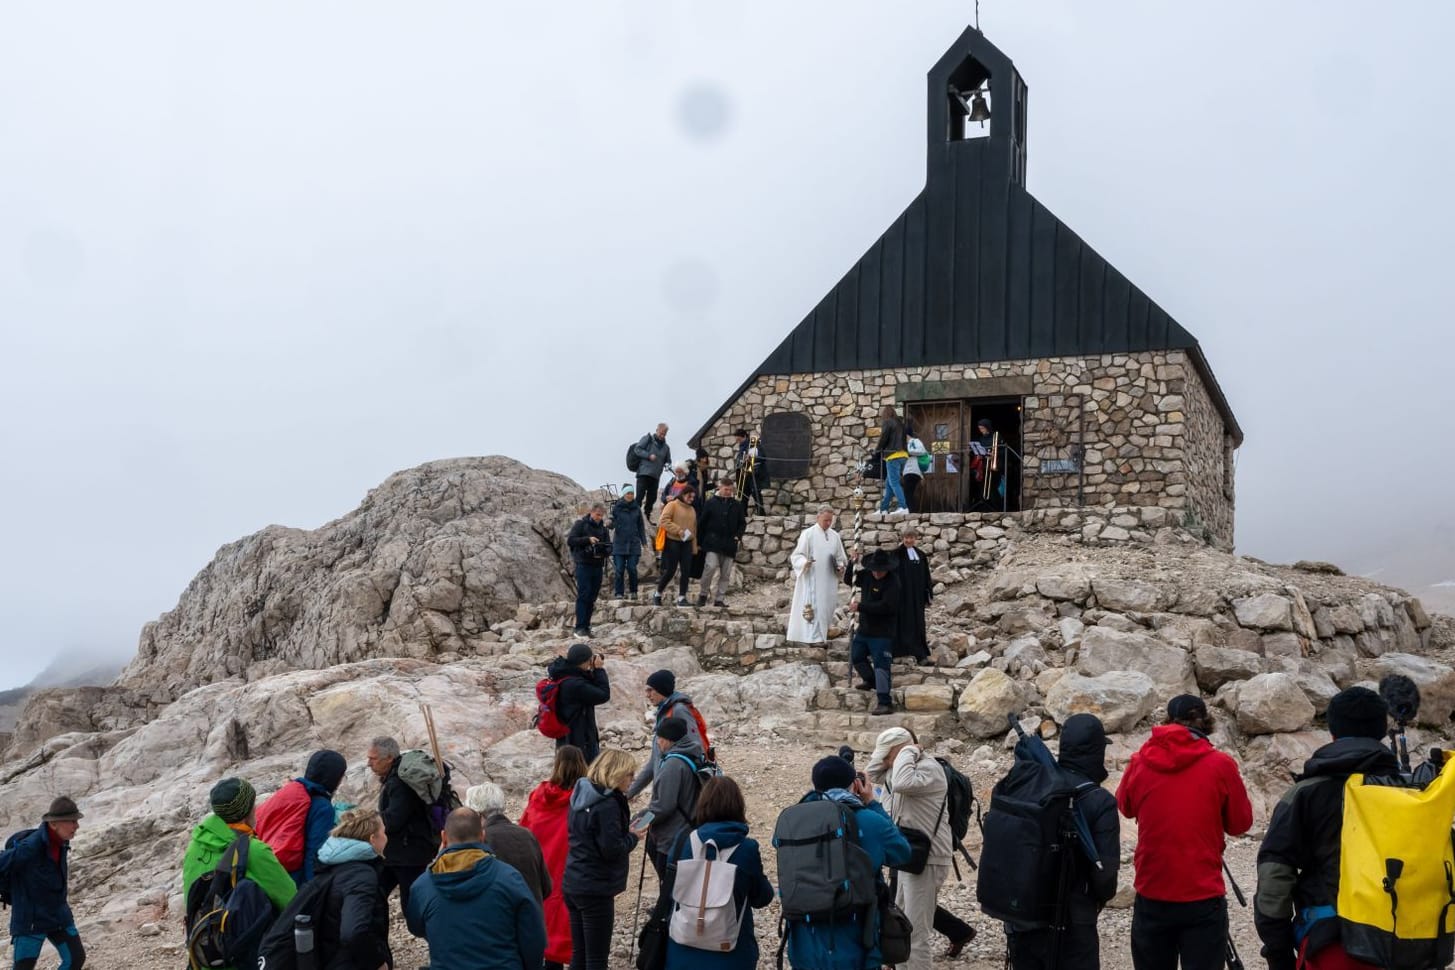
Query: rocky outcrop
column 425, row 567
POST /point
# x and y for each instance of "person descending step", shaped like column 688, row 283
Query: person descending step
column 652, row 455
column 877, row 603
column 818, row 561
column 916, row 590
column 628, row 539
column 296, row 820
column 667, row 702
column 475, row 911
column 678, row 523
column 1185, row 796
column 721, row 525
column 894, row 447
column 36, row 865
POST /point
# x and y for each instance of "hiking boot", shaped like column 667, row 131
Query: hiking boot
column 722, row 603
column 681, row 601
column 581, row 631
column 881, row 708
column 960, row 944
column 863, row 685
column 702, row 600
column 657, row 599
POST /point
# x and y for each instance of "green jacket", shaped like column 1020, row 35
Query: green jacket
column 211, row 838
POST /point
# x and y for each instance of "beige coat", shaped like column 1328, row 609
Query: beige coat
column 677, row 517
column 917, row 788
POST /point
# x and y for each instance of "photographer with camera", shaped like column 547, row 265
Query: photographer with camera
column 1185, row 796
column 590, row 543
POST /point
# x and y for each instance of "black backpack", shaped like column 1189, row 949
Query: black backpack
column 1026, row 859
column 823, row 870
column 961, row 804
column 227, row 913
column 276, row 951
column 633, row 460
column 10, row 843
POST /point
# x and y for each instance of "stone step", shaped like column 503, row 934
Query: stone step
column 860, row 729
column 912, row 698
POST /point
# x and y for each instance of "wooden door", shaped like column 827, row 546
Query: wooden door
column 941, row 426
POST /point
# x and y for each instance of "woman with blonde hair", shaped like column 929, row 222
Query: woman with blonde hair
column 545, row 818
column 601, row 844
column 352, row 929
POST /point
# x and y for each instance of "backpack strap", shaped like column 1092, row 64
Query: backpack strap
column 234, row 861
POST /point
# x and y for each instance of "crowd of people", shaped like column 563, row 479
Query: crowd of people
column 862, row 857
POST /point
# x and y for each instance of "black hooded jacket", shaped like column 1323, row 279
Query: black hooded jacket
column 1298, row 863
column 354, row 924
column 577, row 697
column 412, row 840
column 1083, row 756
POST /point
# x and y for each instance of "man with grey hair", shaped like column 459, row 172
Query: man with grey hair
column 510, row 843
column 412, row 840
column 590, row 543
column 653, row 455
column 818, row 561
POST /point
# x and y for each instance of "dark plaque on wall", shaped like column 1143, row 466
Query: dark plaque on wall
column 787, row 443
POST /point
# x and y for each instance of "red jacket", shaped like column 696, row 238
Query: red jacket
column 1184, row 794
column 545, row 817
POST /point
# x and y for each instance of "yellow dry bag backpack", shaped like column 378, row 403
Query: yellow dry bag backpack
column 1396, row 904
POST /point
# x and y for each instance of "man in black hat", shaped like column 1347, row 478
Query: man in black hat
column 583, row 687
column 877, row 604
column 674, row 790
column 36, row 863
column 1298, row 863
column 1185, row 796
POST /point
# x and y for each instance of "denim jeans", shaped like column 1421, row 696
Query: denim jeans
column 625, row 565
column 67, row 943
column 879, row 650
column 893, row 484
column 588, row 584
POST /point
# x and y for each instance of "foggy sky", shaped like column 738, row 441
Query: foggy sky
column 255, row 258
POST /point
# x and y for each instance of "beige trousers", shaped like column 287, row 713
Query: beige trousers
column 917, row 897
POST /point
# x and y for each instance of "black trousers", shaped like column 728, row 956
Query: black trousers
column 751, row 492
column 403, row 877
column 647, row 492
column 910, row 483
column 676, row 558
column 1037, row 950
column 592, row 918
column 950, row 926
column 1163, row 933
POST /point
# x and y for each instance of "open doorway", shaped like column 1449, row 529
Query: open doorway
column 954, row 480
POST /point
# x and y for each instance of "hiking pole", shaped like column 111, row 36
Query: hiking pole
column 1234, row 961
column 637, row 912
column 1237, row 891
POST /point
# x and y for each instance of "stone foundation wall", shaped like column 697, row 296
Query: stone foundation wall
column 1145, row 421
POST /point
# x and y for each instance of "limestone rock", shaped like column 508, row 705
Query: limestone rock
column 430, row 560
column 1271, row 703
column 929, row 697
column 1122, row 698
column 1066, row 582
column 1103, row 651
column 1025, row 657
column 1283, row 644
column 1129, row 595
column 1217, row 666
column 986, row 701
column 1266, row 611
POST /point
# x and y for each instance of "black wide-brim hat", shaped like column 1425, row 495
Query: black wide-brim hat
column 880, row 561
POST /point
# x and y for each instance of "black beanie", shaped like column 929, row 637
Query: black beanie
column 1358, row 712
column 578, row 654
column 326, row 768
column 664, row 682
column 674, row 729
column 832, row 772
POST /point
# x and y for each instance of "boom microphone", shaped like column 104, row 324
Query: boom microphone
column 1402, row 697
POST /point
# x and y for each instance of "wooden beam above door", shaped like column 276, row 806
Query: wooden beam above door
column 964, row 389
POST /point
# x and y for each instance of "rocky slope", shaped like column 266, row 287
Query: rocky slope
column 1042, row 624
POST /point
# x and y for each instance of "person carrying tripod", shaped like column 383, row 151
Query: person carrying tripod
column 1185, row 796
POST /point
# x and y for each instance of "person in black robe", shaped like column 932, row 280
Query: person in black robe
column 916, row 591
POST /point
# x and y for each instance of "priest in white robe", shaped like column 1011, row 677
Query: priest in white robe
column 818, row 562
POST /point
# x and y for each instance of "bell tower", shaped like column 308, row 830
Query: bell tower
column 977, row 104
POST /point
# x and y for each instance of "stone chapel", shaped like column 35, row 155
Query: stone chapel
column 977, row 302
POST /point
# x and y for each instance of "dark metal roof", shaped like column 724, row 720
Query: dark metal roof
column 977, row 270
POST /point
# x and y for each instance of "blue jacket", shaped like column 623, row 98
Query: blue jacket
column 628, row 528
column 37, row 885
column 751, row 887
column 477, row 913
column 316, row 827
column 841, row 946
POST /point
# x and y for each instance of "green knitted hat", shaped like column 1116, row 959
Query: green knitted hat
column 232, row 799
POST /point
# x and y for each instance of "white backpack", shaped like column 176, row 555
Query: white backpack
column 703, row 915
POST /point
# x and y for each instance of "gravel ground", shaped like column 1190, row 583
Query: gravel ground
column 774, row 774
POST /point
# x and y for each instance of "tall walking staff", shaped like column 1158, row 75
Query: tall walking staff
column 637, row 911
column 858, row 495
column 1234, row 961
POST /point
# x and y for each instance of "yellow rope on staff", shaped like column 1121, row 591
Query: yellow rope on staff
column 746, row 469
